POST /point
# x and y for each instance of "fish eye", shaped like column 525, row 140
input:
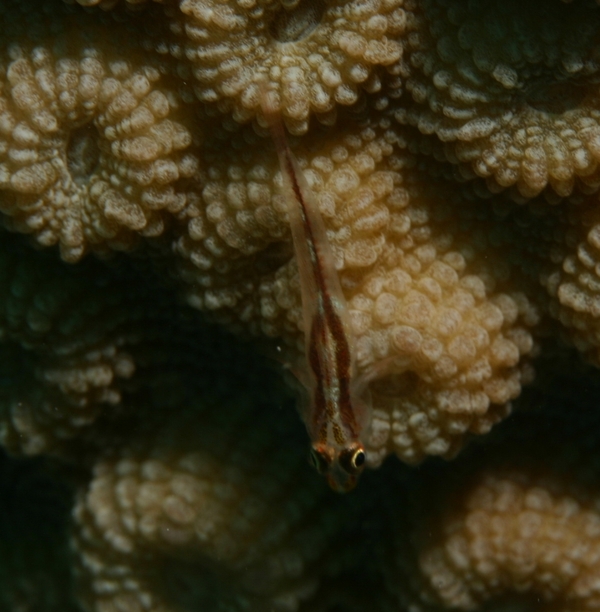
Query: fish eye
column 358, row 459
column 352, row 460
column 319, row 460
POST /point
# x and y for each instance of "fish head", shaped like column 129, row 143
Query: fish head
column 341, row 466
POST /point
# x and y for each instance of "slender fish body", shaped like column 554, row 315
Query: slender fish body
column 335, row 418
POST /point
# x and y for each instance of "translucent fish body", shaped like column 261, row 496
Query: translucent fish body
column 335, row 417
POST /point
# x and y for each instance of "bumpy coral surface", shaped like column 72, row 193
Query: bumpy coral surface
column 511, row 87
column 452, row 149
column 193, row 513
column 516, row 534
column 314, row 55
column 452, row 330
column 574, row 282
column 510, row 527
column 70, row 342
column 90, row 152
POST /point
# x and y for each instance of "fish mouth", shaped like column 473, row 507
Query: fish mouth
column 344, row 484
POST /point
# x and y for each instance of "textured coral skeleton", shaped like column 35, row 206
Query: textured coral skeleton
column 147, row 278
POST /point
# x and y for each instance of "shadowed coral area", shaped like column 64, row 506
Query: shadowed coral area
column 513, row 86
column 514, row 522
column 157, row 453
column 35, row 561
column 243, row 520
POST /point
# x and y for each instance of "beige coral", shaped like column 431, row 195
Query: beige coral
column 91, row 151
column 204, row 510
column 421, row 299
column 573, row 283
column 514, row 521
column 313, row 55
column 193, row 490
column 517, row 535
column 447, row 315
column 519, row 104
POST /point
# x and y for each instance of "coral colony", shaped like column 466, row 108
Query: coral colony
column 394, row 202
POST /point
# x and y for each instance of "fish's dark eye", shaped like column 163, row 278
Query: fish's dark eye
column 358, row 459
column 353, row 460
column 319, row 461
